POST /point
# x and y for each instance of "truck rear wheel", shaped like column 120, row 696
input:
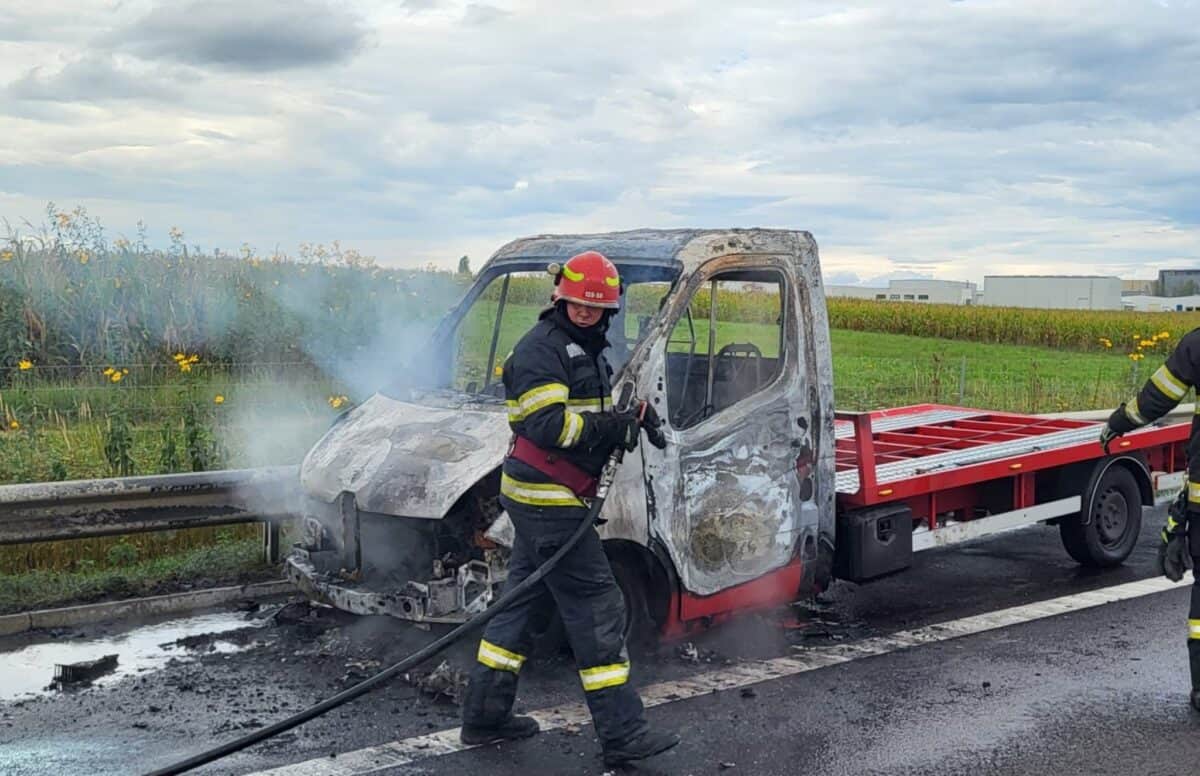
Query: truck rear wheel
column 1116, row 520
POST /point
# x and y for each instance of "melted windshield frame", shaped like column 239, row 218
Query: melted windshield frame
column 633, row 274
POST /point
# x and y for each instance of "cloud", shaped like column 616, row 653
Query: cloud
column 93, row 77
column 947, row 139
column 259, row 36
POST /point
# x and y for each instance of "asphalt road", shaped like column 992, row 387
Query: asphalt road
column 1097, row 691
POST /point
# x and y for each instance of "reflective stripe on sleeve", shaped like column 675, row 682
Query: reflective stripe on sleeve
column 499, row 658
column 535, row 399
column 538, row 494
column 1194, row 629
column 590, row 405
column 1168, row 383
column 1193, row 492
column 1132, row 410
column 572, row 429
column 604, row 676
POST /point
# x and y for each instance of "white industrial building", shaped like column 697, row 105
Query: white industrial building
column 1058, row 292
column 1160, row 304
column 913, row 290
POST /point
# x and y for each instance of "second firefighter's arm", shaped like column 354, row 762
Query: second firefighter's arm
column 1164, row 390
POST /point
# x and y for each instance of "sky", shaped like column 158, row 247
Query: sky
column 940, row 139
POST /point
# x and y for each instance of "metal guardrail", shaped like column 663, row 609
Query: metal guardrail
column 50, row 511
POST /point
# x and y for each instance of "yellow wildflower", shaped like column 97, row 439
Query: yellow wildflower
column 218, row 399
column 116, row 376
column 1165, row 334
column 185, row 366
column 1146, row 344
column 24, row 364
column 193, row 359
column 109, row 371
column 179, row 357
column 125, row 371
column 14, row 425
column 64, row 219
column 6, row 255
column 337, row 401
column 84, row 257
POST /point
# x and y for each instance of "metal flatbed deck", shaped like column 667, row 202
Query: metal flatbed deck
column 915, row 449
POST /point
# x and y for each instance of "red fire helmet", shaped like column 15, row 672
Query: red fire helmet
column 588, row 279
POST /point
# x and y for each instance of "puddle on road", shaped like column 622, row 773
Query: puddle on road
column 30, row 669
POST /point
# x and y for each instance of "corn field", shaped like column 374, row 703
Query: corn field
column 69, row 296
column 1085, row 330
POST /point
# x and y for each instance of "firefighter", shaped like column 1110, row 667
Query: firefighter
column 1181, row 535
column 559, row 400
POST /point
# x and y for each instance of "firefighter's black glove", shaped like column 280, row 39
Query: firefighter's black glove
column 653, row 426
column 1118, row 424
column 1107, row 435
column 619, row 429
column 1174, row 555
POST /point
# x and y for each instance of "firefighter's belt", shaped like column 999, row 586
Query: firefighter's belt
column 553, row 466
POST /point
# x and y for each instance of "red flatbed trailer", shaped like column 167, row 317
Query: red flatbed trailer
column 936, row 458
column 963, row 473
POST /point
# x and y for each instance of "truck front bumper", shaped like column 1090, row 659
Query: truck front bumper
column 449, row 601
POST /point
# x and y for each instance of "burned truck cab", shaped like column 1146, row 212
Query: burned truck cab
column 724, row 332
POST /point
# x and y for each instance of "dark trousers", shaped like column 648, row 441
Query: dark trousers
column 583, row 590
column 1193, row 644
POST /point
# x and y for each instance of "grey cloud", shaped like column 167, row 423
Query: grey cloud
column 264, row 35
column 93, row 77
column 479, row 13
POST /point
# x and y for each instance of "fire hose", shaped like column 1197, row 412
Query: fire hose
column 603, row 484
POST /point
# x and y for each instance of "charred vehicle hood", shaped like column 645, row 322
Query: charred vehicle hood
column 412, row 458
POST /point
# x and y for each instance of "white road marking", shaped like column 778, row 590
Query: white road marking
column 374, row 759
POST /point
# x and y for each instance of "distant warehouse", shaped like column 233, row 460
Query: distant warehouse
column 1059, row 292
column 922, row 290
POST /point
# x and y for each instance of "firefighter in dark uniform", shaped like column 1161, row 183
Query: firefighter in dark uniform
column 559, row 399
column 1181, row 535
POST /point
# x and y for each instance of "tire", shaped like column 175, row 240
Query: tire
column 639, row 625
column 1116, row 520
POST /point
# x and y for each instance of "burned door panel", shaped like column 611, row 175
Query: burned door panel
column 738, row 520
column 730, row 504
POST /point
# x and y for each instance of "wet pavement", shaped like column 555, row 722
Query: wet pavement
column 1093, row 692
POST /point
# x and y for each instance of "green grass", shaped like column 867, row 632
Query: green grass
column 227, row 562
column 873, row 370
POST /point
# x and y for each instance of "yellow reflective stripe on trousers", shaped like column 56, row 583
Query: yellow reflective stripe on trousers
column 1193, row 492
column 604, row 676
column 1169, row 384
column 1194, row 629
column 499, row 658
column 535, row 399
column 538, row 494
column 572, row 429
column 1132, row 410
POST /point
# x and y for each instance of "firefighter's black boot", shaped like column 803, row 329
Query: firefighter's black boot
column 510, row 730
column 647, row 744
